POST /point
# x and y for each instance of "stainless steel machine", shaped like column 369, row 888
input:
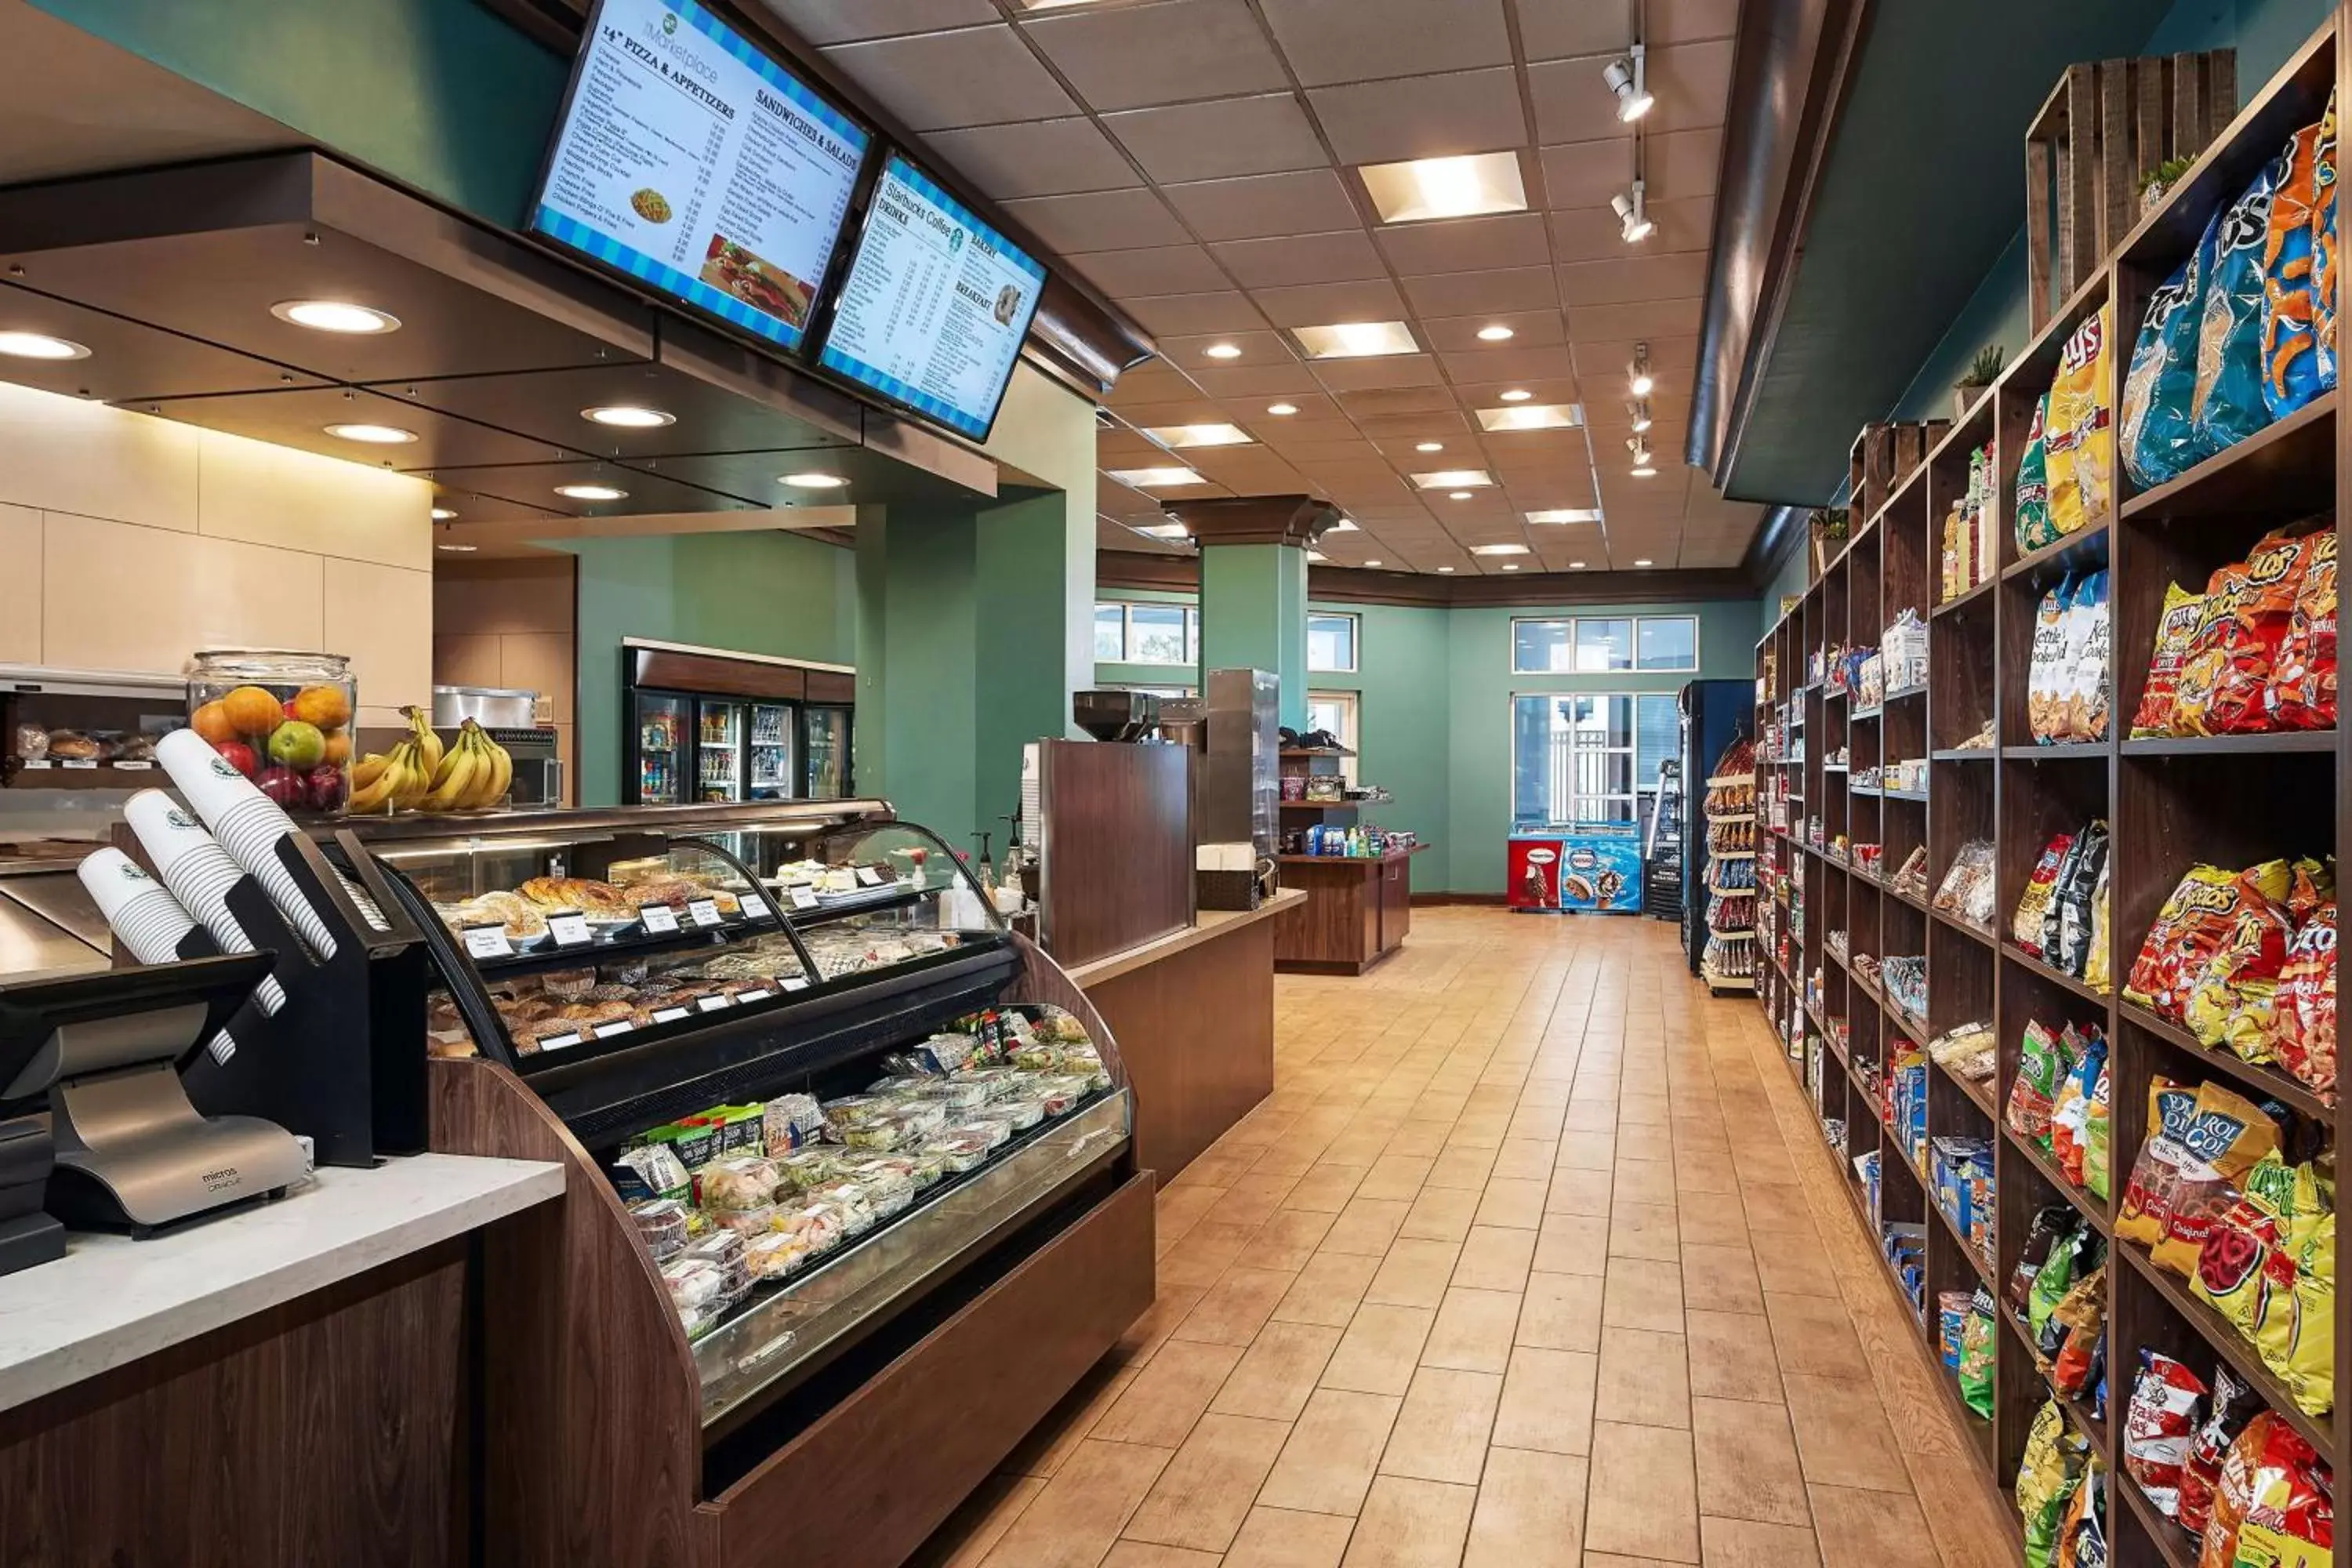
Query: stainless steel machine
column 512, row 717
column 1238, row 786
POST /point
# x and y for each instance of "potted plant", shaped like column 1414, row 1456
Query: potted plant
column 2158, row 181
column 1982, row 371
column 1827, row 528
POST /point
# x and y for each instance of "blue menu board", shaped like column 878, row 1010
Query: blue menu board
column 692, row 160
column 935, row 307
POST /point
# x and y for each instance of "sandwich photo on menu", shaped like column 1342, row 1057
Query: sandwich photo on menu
column 759, row 284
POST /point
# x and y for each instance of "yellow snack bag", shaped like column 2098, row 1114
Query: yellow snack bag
column 2306, row 1362
column 2080, row 435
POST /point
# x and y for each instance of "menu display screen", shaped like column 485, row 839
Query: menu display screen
column 690, row 160
column 935, row 306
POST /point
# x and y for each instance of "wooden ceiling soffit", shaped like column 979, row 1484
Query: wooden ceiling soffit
column 1295, row 519
column 1792, row 64
column 1116, row 569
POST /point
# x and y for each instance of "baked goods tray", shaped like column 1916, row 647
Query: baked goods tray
column 839, row 903
column 782, row 1335
column 607, row 942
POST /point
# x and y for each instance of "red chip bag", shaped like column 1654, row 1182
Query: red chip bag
column 2273, row 1506
column 2249, row 955
column 2224, row 680
column 2233, row 1406
column 2189, row 930
column 2306, row 1040
column 2158, row 1428
column 2302, row 694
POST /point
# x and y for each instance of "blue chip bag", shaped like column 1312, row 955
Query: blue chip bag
column 2159, row 435
column 2293, row 372
column 2322, row 249
column 2228, row 401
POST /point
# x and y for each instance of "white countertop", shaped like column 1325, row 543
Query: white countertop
column 111, row 1299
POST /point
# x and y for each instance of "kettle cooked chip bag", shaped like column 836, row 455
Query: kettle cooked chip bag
column 2047, row 671
column 2079, row 440
column 2157, row 436
column 2228, row 401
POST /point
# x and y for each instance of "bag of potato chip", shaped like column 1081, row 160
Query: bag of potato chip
column 2228, row 399
column 2157, row 436
column 2306, row 1364
column 2034, row 530
column 2233, row 1270
column 2171, row 1107
column 2302, row 691
column 2322, row 249
column 2189, row 928
column 2224, row 1139
column 2274, row 1508
column 2244, row 968
column 2174, row 630
column 2052, row 1465
column 2046, row 667
column 2233, row 1404
column 2080, row 439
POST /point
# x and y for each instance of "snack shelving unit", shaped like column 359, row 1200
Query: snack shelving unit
column 2228, row 801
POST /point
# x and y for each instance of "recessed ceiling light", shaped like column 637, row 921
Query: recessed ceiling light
column 1167, row 531
column 591, row 492
column 1429, row 446
column 335, row 316
column 443, row 514
column 1632, row 209
column 1498, row 550
column 40, row 345
column 1517, row 394
column 1566, row 514
column 1224, row 351
column 1052, row 5
column 1628, row 78
column 1282, row 410
column 814, row 481
column 1445, row 568
column 628, row 416
column 1356, row 340
column 1427, row 188
column 1495, row 334
column 1576, row 565
column 1510, row 565
column 1453, row 480
column 1155, row 478
column 1199, row 435
column 1374, row 562
column 1345, row 525
column 458, row 549
column 1457, row 495
column 1645, row 561
column 374, row 434
column 1532, row 417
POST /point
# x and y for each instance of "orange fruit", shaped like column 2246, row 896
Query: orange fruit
column 338, row 750
column 212, row 722
column 253, row 710
column 325, row 705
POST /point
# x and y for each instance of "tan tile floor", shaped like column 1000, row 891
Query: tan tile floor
column 1533, row 1259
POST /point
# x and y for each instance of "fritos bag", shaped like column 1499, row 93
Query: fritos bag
column 2189, row 928
column 2158, row 437
column 2225, row 1138
column 2305, row 1011
column 2174, row 630
column 2158, row 1426
column 2228, row 401
column 2080, row 437
column 2302, row 692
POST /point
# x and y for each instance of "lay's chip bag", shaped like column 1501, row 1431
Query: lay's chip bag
column 2034, row 530
column 2158, row 436
column 2079, row 435
column 2228, row 401
column 2293, row 371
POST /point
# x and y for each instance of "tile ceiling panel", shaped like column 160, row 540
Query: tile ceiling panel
column 1297, row 258
column 1036, row 158
column 976, row 75
column 1422, row 116
column 1104, row 220
column 1220, row 139
column 1130, row 57
column 1257, row 206
column 1196, row 160
column 1360, row 40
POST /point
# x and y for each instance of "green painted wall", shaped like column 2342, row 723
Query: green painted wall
column 1254, row 615
column 771, row 593
column 439, row 94
column 917, row 683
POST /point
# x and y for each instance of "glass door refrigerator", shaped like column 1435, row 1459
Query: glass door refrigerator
column 773, row 747
column 720, row 728
column 661, row 748
column 825, row 745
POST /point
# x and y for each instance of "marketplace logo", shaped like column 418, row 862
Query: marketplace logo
column 669, row 24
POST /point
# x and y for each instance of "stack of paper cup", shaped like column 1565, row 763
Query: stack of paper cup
column 150, row 922
column 248, row 825
column 199, row 873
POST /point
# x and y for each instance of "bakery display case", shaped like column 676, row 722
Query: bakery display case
column 852, row 1198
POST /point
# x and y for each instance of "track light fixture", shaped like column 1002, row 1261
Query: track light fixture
column 1640, row 410
column 1644, row 465
column 1628, row 78
column 1633, row 214
column 1643, row 382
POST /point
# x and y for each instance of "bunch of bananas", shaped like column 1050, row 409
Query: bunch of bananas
column 421, row 774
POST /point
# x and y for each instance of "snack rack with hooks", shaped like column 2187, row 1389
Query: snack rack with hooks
column 2170, row 803
column 1729, row 961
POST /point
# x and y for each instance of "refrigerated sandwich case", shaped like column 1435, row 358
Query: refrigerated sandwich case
column 948, row 1247
column 708, row 727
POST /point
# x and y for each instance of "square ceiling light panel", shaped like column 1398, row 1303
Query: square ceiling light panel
column 1179, row 435
column 1356, row 340
column 1453, row 479
column 1532, row 417
column 1155, row 478
column 1424, row 189
column 1566, row 514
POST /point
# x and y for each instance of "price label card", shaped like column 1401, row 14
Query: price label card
column 570, row 929
column 41, row 762
column 658, row 919
column 134, row 767
column 755, row 907
column 750, row 996
column 868, row 877
column 712, row 1004
column 803, row 897
column 668, row 1014
column 488, row 941
column 702, row 912
column 77, row 762
column 557, row 1042
column 795, row 985
column 618, row 1027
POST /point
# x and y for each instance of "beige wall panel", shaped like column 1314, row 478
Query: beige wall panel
column 520, row 595
column 20, row 585
column 60, row 454
column 299, row 500
column 541, row 663
column 466, row 659
column 383, row 618
column 115, row 596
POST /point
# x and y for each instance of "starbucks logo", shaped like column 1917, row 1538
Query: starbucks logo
column 669, row 24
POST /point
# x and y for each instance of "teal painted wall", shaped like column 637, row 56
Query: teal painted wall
column 1436, row 688
column 770, row 593
column 1254, row 615
column 439, row 94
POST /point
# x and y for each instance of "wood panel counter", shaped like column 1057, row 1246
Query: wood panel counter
column 1357, row 911
column 1193, row 1015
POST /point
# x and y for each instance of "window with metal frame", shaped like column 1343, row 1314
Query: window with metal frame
column 1585, row 756
column 1136, row 632
column 1331, row 640
column 1603, row 644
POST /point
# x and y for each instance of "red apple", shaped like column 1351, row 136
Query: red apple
column 285, row 786
column 240, row 756
column 324, row 787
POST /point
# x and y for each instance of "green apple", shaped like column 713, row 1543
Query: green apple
column 297, row 745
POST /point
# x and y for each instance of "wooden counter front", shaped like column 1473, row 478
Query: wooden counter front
column 1356, row 913
column 1193, row 1015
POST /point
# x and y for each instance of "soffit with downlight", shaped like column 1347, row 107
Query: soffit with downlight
column 1202, row 163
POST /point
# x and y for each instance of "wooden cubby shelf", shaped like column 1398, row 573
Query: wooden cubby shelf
column 2169, row 802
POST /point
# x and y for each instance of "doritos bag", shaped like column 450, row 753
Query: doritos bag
column 2292, row 368
column 2228, row 403
column 2034, row 530
column 2302, row 690
column 2158, row 437
column 2080, row 439
column 2174, row 631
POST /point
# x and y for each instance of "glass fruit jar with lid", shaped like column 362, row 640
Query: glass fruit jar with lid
column 282, row 719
